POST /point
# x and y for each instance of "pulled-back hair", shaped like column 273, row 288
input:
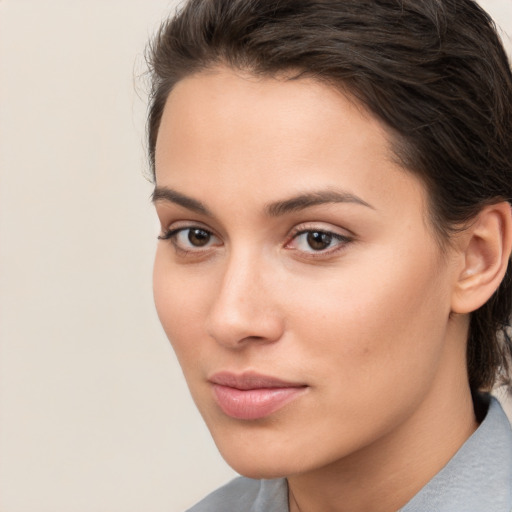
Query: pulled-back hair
column 434, row 71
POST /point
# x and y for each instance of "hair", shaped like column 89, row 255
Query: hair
column 433, row 71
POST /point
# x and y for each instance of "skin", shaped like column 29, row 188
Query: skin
column 366, row 324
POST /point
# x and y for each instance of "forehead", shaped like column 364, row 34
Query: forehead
column 271, row 135
column 223, row 106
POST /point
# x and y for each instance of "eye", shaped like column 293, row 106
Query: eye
column 317, row 241
column 189, row 239
column 195, row 236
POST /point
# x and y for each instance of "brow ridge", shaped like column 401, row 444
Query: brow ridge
column 309, row 199
column 173, row 196
column 274, row 209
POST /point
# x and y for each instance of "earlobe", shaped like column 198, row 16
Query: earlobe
column 487, row 244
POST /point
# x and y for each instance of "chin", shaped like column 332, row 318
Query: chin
column 263, row 460
column 260, row 469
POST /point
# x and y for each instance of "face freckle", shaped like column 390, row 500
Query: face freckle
column 356, row 327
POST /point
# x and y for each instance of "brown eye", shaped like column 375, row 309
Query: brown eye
column 198, row 237
column 318, row 243
column 192, row 239
column 318, row 240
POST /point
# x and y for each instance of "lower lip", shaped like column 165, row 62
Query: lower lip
column 253, row 404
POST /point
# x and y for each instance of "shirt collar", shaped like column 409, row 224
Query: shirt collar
column 478, row 477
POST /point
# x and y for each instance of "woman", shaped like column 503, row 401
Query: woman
column 333, row 183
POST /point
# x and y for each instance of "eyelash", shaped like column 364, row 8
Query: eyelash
column 342, row 241
column 172, row 234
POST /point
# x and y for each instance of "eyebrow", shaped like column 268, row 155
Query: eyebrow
column 309, row 199
column 275, row 209
column 172, row 196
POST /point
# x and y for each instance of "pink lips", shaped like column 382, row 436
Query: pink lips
column 251, row 396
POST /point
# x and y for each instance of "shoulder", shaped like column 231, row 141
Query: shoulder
column 246, row 495
column 479, row 476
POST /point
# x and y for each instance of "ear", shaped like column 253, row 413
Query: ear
column 486, row 246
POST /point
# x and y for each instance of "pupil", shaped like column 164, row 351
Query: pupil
column 318, row 240
column 198, row 237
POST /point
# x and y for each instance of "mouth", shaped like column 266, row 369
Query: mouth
column 251, row 396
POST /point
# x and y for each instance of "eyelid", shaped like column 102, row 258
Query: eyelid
column 324, row 227
column 179, row 225
column 173, row 231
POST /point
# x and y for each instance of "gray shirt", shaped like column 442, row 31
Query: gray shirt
column 477, row 479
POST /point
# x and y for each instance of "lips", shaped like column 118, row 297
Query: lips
column 251, row 396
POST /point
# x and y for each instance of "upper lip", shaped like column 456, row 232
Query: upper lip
column 251, row 380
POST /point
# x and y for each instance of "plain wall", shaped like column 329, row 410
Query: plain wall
column 94, row 413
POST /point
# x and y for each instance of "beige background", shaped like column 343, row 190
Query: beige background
column 94, row 414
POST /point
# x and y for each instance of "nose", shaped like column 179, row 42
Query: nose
column 245, row 309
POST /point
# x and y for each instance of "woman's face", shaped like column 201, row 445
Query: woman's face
column 298, row 278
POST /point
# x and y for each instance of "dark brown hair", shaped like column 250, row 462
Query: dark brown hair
column 434, row 71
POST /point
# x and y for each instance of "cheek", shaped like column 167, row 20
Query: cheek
column 376, row 325
column 180, row 302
